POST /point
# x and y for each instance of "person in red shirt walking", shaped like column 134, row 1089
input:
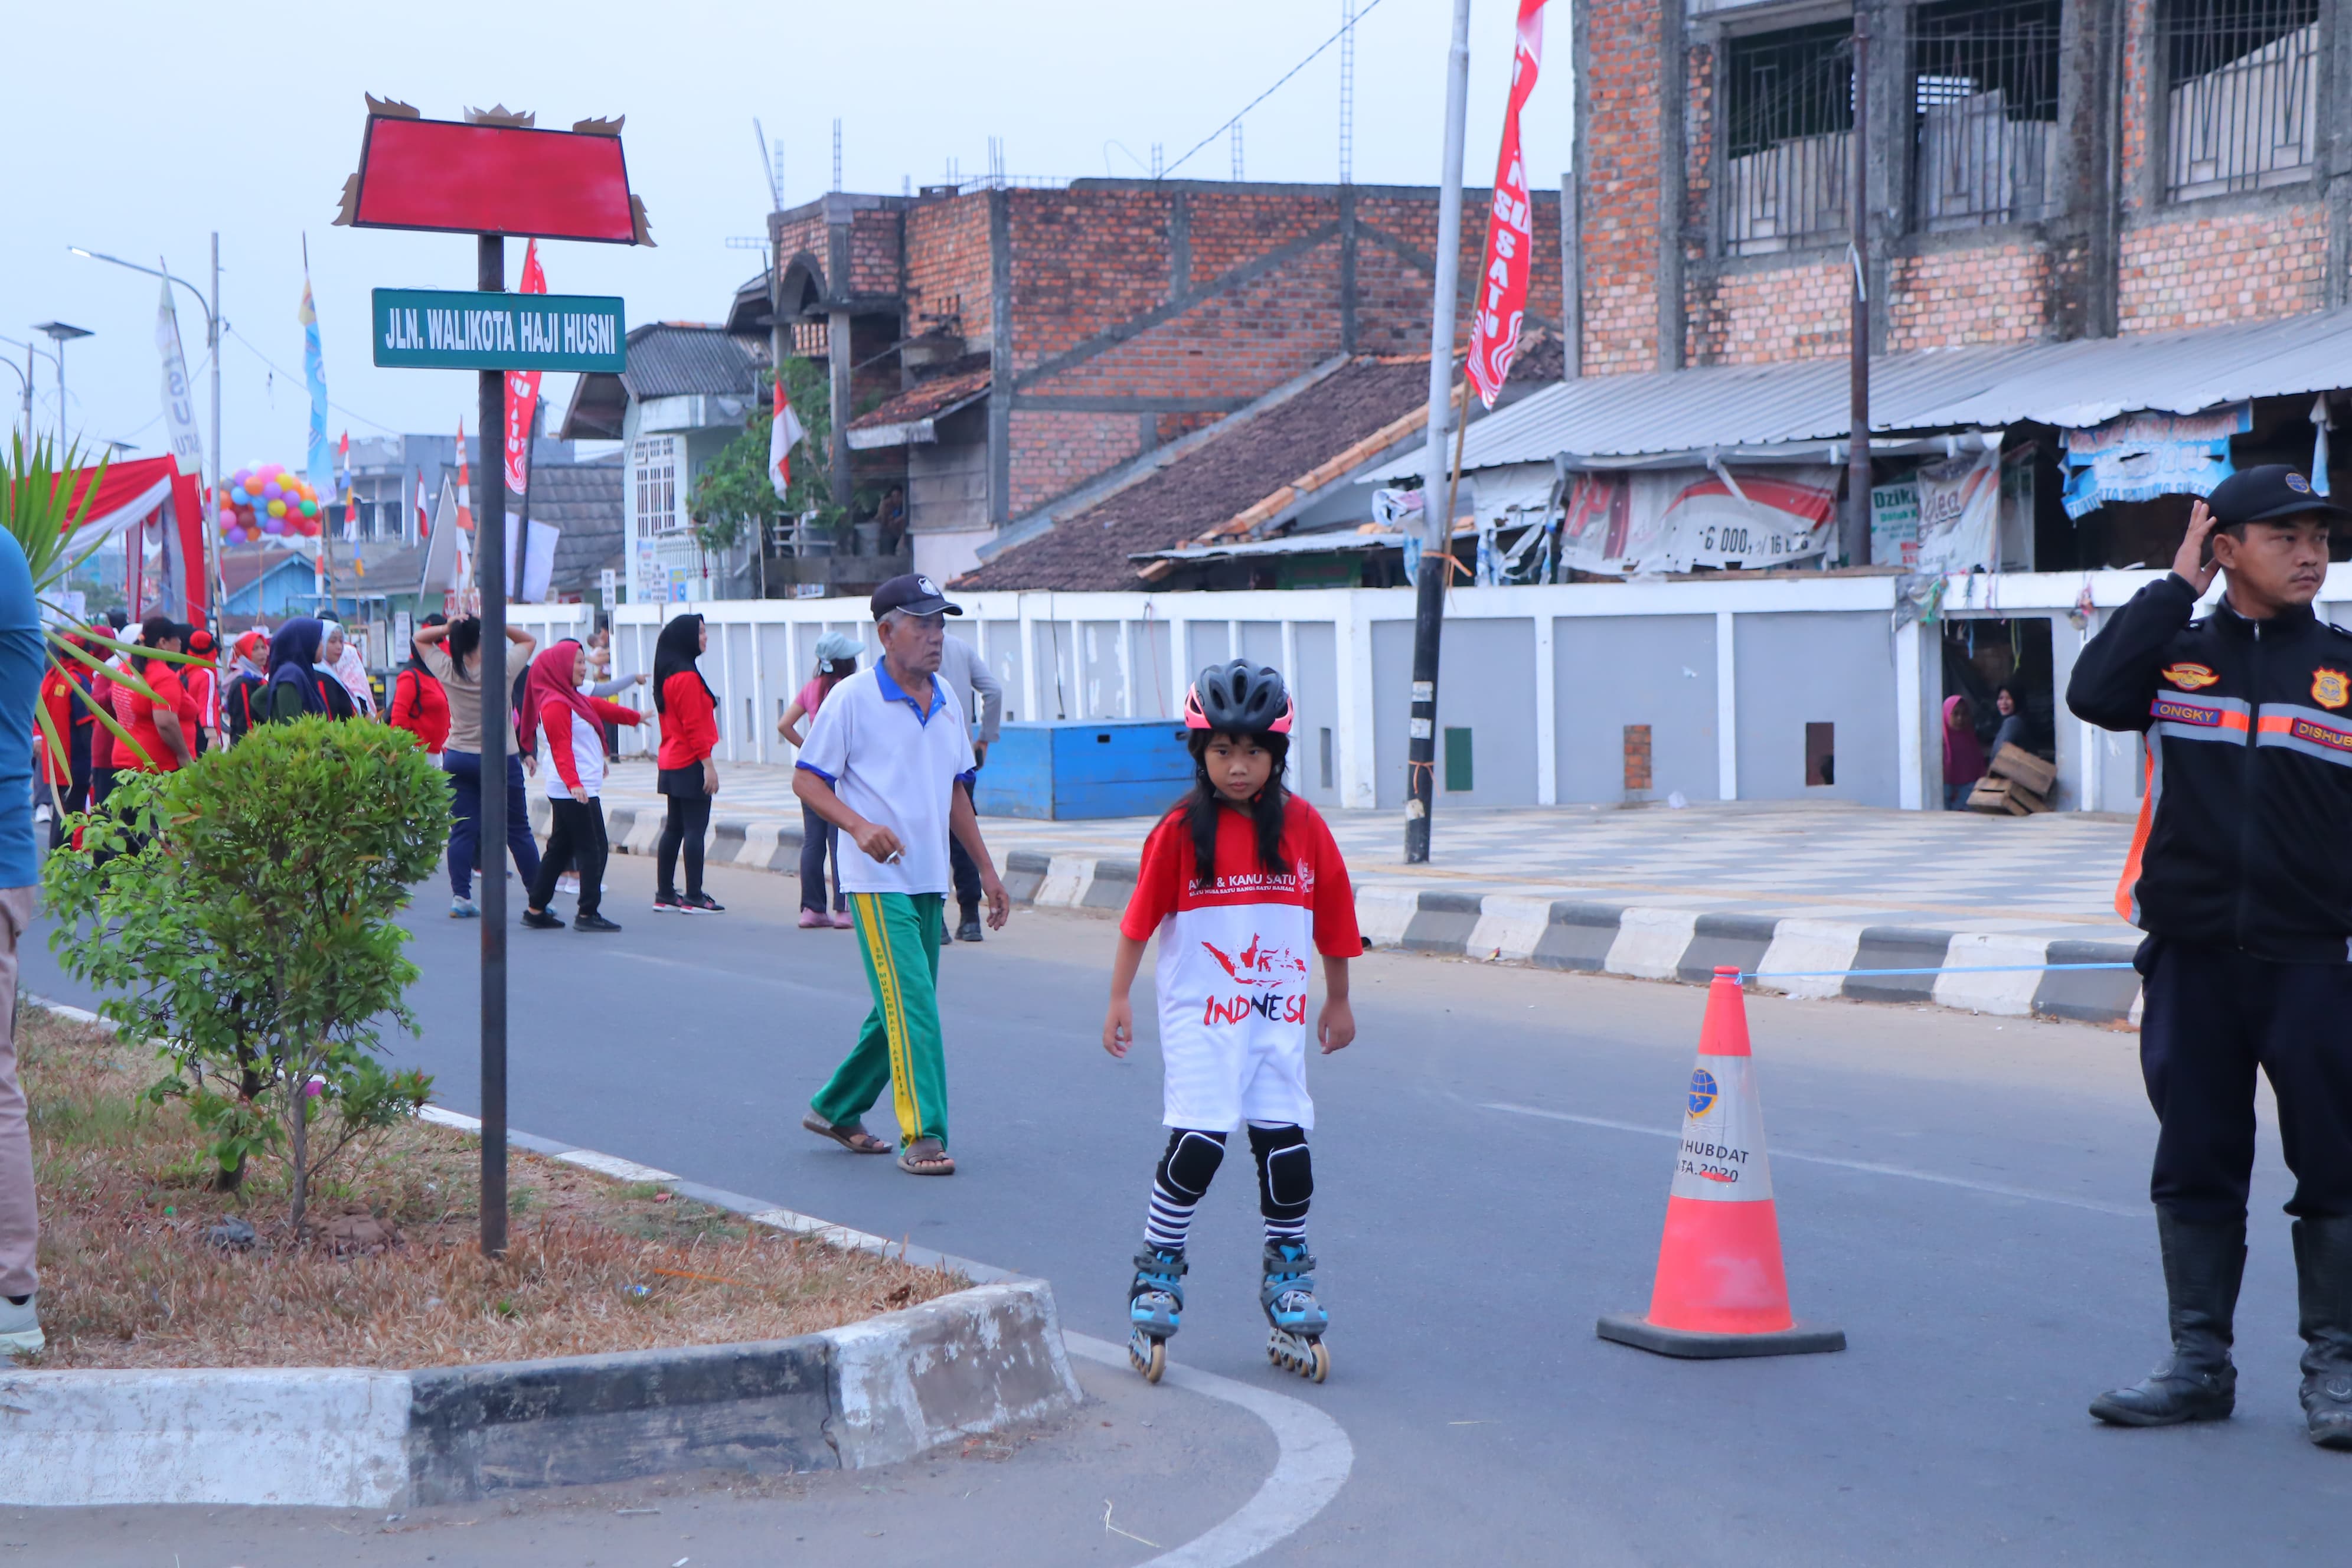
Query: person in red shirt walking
column 201, row 680
column 101, row 733
column 689, row 775
column 1239, row 882
column 419, row 705
column 573, row 777
column 53, row 763
column 160, row 722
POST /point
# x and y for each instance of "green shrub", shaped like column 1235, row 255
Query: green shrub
column 240, row 912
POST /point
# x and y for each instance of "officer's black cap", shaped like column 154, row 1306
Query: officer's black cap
column 913, row 593
column 2266, row 494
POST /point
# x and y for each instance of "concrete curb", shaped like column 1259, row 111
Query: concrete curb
column 869, row 1393
column 1642, row 942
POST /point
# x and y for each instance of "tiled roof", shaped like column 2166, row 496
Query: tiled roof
column 956, row 383
column 583, row 499
column 1209, row 485
column 241, row 563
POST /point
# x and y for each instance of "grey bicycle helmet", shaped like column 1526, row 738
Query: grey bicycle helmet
column 1240, row 699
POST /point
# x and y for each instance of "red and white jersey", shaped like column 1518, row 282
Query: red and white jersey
column 1235, row 966
column 574, row 749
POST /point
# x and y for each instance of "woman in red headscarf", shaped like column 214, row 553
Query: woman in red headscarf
column 572, row 767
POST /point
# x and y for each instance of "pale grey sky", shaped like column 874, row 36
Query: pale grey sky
column 137, row 129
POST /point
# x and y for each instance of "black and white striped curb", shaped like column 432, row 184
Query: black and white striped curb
column 1643, row 941
column 870, row 1393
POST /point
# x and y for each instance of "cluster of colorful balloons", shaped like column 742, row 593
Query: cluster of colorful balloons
column 268, row 498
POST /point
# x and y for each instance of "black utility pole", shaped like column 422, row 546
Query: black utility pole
column 490, row 572
column 1857, row 480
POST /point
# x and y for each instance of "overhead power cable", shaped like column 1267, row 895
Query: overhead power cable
column 1345, row 29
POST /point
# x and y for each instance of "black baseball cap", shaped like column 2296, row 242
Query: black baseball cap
column 913, row 593
column 2267, row 493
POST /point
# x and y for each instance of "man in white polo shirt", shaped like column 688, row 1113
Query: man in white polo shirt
column 881, row 763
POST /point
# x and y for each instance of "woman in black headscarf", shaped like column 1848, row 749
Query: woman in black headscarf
column 297, row 685
column 689, row 775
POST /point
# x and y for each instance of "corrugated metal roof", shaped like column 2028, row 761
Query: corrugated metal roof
column 669, row 360
column 1342, row 541
column 2072, row 384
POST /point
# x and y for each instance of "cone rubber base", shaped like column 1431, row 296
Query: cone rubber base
column 1633, row 1328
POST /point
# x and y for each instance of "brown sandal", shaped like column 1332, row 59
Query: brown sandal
column 927, row 1157
column 849, row 1135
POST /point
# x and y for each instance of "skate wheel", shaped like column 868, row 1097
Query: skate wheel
column 1151, row 1362
column 1319, row 1364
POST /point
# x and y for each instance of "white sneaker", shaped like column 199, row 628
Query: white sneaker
column 568, row 883
column 20, row 1327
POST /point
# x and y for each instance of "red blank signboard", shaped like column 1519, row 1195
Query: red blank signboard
column 493, row 179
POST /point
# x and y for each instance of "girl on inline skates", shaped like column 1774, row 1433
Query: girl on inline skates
column 1239, row 881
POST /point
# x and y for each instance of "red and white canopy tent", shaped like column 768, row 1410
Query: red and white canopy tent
column 146, row 499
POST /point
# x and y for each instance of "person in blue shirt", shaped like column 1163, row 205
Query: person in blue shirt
column 21, row 661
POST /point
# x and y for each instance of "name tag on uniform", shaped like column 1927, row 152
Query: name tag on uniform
column 2173, row 710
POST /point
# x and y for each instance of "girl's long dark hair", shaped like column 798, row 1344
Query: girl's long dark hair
column 1265, row 811
column 465, row 640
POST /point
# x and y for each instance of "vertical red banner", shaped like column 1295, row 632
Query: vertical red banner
column 522, row 392
column 1500, row 301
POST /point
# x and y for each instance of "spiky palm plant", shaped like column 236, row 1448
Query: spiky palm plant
column 40, row 509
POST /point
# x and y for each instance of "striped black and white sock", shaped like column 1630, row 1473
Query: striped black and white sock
column 1179, row 1185
column 1170, row 1220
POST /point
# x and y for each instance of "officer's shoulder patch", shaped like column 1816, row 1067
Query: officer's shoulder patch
column 2331, row 688
column 2189, row 677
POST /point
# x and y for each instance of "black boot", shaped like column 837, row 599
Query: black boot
column 2323, row 1271
column 970, row 929
column 2202, row 1267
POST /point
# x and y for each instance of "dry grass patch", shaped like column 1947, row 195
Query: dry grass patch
column 388, row 1274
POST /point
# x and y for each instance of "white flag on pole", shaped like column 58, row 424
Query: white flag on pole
column 179, row 394
column 782, row 437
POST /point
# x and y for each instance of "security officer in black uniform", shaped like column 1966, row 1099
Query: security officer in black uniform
column 2241, row 876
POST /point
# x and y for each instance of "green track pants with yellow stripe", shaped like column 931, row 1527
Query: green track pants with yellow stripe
column 899, row 1046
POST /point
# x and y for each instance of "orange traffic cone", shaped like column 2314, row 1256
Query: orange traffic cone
column 1720, row 1288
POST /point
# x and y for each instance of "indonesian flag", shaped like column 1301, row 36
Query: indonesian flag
column 1501, row 299
column 522, row 392
column 424, row 518
column 782, row 437
column 465, row 486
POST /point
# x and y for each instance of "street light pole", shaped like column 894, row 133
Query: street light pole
column 219, row 477
column 212, row 346
column 30, row 349
column 61, row 333
column 1436, row 502
column 25, row 377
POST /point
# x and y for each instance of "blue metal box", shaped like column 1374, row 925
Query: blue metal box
column 1075, row 769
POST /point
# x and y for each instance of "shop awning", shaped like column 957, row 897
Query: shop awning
column 1791, row 411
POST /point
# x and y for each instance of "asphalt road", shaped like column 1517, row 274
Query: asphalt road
column 1965, row 1196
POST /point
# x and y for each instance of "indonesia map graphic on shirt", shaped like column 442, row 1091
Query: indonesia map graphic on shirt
column 1260, row 963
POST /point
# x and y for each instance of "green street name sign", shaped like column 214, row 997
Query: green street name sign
column 422, row 329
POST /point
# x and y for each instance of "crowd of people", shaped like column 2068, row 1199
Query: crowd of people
column 1240, row 883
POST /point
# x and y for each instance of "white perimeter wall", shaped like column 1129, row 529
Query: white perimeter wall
column 1725, row 673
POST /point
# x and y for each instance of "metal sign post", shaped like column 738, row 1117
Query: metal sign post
column 497, row 174
column 491, row 567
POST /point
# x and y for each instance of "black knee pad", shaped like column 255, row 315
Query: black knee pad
column 1286, row 1172
column 1191, row 1162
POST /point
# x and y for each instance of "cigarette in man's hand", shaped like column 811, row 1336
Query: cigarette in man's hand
column 895, row 857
